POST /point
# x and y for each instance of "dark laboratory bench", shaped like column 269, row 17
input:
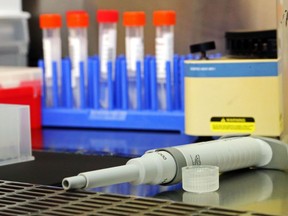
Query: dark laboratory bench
column 263, row 191
column 49, row 168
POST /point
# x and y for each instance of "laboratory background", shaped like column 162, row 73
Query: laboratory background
column 156, row 107
column 199, row 21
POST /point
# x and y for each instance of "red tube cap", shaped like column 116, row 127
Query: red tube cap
column 76, row 19
column 134, row 18
column 161, row 18
column 50, row 21
column 107, row 16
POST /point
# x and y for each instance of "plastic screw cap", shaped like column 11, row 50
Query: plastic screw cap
column 200, row 178
column 164, row 18
column 107, row 16
column 77, row 19
column 50, row 21
column 134, row 18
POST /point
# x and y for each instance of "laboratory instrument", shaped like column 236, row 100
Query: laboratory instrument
column 164, row 22
column 224, row 96
column 164, row 166
column 134, row 22
column 107, row 20
column 51, row 40
column 77, row 23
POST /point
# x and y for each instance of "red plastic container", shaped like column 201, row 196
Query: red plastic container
column 22, row 86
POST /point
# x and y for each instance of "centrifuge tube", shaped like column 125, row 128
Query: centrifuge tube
column 77, row 23
column 107, row 20
column 164, row 22
column 134, row 25
column 50, row 25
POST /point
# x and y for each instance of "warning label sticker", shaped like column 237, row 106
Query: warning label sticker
column 232, row 124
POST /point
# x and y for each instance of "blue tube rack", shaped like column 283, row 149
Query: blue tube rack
column 117, row 115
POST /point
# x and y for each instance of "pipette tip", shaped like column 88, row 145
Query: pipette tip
column 75, row 182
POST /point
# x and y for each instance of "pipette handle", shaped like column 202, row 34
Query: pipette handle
column 228, row 154
column 231, row 154
column 163, row 166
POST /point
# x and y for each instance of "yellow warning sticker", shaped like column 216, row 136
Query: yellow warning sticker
column 232, row 124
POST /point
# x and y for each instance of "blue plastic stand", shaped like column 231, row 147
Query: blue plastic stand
column 118, row 114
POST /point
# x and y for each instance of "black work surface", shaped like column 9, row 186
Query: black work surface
column 49, row 168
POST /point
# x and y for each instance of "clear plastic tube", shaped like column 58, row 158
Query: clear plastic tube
column 164, row 22
column 107, row 20
column 51, row 41
column 134, row 26
column 77, row 22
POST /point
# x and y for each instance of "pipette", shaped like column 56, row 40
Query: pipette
column 163, row 166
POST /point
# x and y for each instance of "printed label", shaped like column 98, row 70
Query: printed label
column 52, row 53
column 75, row 53
column 164, row 53
column 107, row 48
column 135, row 50
column 232, row 124
column 47, row 47
column 107, row 115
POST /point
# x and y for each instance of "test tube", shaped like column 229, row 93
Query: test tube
column 134, row 22
column 77, row 23
column 164, row 22
column 107, row 20
column 50, row 25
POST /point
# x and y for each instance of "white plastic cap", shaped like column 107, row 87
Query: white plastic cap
column 200, row 178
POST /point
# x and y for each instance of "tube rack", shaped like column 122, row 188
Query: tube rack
column 117, row 115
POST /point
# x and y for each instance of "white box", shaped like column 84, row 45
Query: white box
column 10, row 6
column 14, row 38
column 15, row 134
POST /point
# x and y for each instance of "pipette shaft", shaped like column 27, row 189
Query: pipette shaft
column 163, row 166
column 114, row 175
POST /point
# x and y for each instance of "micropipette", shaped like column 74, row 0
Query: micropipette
column 163, row 166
